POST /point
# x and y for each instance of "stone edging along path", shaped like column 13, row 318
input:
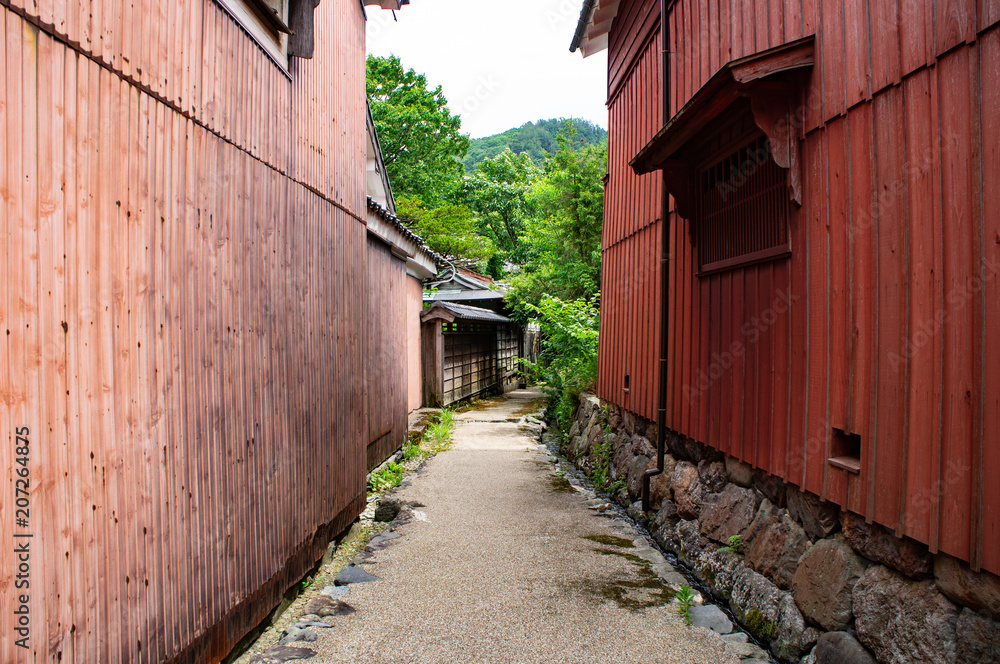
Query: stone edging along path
column 322, row 596
column 819, row 585
column 475, row 577
column 704, row 613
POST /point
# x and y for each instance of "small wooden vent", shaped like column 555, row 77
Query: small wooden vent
column 742, row 214
column 845, row 451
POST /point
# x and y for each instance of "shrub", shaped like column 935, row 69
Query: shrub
column 568, row 362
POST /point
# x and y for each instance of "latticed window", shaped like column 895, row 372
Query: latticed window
column 742, row 200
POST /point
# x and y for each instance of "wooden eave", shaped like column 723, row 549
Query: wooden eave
column 270, row 17
column 437, row 313
column 394, row 5
column 772, row 79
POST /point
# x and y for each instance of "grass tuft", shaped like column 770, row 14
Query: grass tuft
column 386, row 478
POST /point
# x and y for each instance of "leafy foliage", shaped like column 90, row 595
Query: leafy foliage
column 536, row 139
column 735, row 544
column 386, row 477
column 599, row 475
column 412, row 451
column 569, row 351
column 449, row 229
column 439, row 433
column 563, row 239
column 616, row 486
column 422, row 143
column 685, row 599
column 499, row 191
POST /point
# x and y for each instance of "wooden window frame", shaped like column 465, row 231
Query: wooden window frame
column 735, row 133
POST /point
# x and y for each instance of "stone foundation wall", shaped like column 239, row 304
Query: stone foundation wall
column 820, row 585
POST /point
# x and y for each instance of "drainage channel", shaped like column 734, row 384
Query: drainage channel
column 576, row 477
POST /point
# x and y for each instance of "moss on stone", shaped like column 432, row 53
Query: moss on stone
column 611, row 540
column 561, row 484
column 759, row 625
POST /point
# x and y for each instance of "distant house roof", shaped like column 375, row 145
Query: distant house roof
column 594, row 25
column 450, row 311
column 461, row 283
column 421, row 262
column 469, row 276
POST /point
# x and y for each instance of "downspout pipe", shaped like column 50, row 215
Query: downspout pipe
column 581, row 25
column 661, row 407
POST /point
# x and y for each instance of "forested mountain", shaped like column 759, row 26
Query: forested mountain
column 538, row 139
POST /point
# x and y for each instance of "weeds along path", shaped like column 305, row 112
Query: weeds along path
column 500, row 560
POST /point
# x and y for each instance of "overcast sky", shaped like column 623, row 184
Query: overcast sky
column 501, row 64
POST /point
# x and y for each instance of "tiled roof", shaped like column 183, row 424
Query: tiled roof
column 465, row 312
column 398, row 224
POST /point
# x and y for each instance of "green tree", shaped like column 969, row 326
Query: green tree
column 421, row 140
column 563, row 238
column 499, row 191
column 448, row 229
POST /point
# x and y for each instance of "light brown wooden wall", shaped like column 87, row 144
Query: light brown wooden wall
column 183, row 254
column 386, row 365
column 414, row 376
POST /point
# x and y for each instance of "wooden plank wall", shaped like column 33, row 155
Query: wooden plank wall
column 893, row 279
column 385, row 335
column 470, row 361
column 183, row 246
column 631, row 238
column 479, row 358
column 414, row 373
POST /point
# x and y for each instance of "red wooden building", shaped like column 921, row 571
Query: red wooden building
column 832, row 245
column 188, row 254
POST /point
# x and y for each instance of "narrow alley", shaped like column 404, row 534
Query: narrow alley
column 499, row 559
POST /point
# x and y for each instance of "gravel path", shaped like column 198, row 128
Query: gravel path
column 505, row 562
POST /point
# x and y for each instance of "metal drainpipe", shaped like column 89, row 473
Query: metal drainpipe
column 661, row 408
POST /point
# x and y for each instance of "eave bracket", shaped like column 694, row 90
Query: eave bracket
column 773, row 80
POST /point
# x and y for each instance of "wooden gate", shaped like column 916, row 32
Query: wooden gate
column 468, row 352
column 470, row 359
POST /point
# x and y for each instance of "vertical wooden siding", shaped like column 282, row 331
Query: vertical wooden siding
column 414, row 374
column 182, row 237
column 479, row 358
column 631, row 242
column 892, row 280
column 385, row 334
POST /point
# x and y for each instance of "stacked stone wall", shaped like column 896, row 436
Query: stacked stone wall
column 819, row 584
